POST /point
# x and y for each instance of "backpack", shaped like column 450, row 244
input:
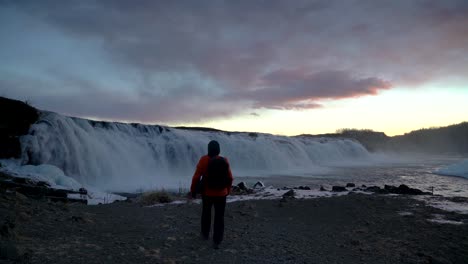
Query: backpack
column 217, row 174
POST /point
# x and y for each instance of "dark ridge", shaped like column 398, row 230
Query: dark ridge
column 15, row 119
column 451, row 139
column 205, row 129
column 371, row 140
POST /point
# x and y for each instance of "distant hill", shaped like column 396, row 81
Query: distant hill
column 440, row 140
column 370, row 139
column 450, row 139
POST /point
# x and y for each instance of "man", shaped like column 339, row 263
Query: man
column 213, row 194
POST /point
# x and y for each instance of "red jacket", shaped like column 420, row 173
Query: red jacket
column 200, row 171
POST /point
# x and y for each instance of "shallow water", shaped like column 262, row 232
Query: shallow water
column 417, row 173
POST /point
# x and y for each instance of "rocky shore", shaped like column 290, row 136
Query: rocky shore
column 354, row 228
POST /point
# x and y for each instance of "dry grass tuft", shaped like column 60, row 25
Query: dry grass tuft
column 155, row 197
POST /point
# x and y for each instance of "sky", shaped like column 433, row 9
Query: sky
column 280, row 67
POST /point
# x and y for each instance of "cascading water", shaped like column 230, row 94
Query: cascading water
column 127, row 157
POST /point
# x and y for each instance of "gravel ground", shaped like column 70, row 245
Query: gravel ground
column 350, row 229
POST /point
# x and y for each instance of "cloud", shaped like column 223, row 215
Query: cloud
column 299, row 89
column 177, row 61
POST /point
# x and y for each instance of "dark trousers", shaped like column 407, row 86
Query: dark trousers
column 219, row 204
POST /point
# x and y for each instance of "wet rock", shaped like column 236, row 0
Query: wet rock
column 258, row 184
column 242, row 186
column 322, row 189
column 375, row 189
column 240, row 189
column 42, row 184
column 338, row 189
column 83, row 191
column 404, row 189
column 289, row 193
column 304, row 188
column 350, row 185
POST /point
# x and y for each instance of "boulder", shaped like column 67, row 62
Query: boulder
column 338, row 189
column 350, row 185
column 322, row 189
column 404, row 189
column 304, row 188
column 241, row 188
column 289, row 194
column 258, row 185
column 375, row 189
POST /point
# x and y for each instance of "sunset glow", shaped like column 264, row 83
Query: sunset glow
column 284, row 68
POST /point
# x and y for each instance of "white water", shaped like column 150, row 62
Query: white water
column 126, row 157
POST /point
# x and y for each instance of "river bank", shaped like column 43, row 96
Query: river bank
column 354, row 228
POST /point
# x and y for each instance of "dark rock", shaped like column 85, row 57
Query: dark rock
column 375, row 189
column 15, row 122
column 42, row 184
column 258, row 184
column 242, row 186
column 350, row 185
column 338, row 189
column 322, row 189
column 404, row 189
column 83, row 191
column 304, row 188
column 23, row 180
column 363, row 186
column 289, row 194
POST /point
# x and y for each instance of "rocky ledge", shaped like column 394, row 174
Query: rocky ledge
column 15, row 119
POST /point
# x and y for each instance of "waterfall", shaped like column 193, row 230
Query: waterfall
column 127, row 157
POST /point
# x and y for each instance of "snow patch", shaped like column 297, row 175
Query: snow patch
column 57, row 179
column 44, row 172
column 458, row 169
column 461, row 208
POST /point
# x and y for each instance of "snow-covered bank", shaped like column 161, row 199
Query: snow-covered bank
column 56, row 179
column 459, row 169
